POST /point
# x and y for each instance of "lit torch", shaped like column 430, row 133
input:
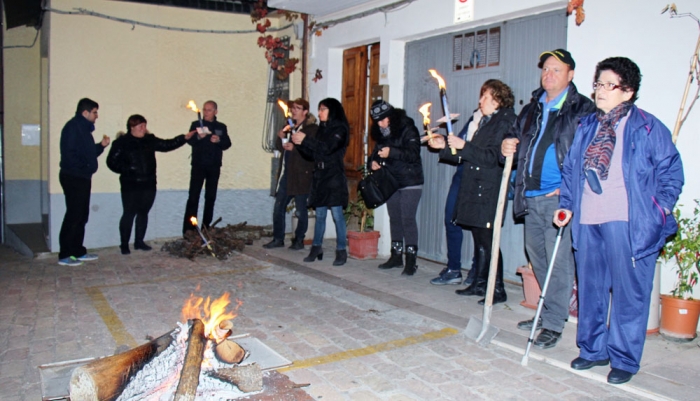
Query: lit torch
column 193, row 220
column 192, row 106
column 425, row 112
column 285, row 109
column 445, row 106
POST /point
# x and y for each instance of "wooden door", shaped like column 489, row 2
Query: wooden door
column 357, row 69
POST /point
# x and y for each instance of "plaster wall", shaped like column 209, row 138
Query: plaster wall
column 155, row 72
column 22, row 163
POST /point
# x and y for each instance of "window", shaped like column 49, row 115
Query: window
column 478, row 49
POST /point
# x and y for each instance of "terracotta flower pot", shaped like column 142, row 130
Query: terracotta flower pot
column 679, row 318
column 530, row 287
column 363, row 245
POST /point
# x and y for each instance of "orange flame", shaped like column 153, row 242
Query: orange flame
column 193, row 220
column 192, row 106
column 284, row 107
column 211, row 313
column 425, row 111
column 441, row 82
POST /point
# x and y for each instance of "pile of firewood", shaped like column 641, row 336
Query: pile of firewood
column 220, row 242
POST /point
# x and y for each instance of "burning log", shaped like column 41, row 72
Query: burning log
column 105, row 378
column 189, row 378
column 247, row 378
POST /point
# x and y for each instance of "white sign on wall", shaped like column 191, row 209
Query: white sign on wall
column 31, row 134
column 464, row 11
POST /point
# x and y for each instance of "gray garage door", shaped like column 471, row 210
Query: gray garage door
column 465, row 59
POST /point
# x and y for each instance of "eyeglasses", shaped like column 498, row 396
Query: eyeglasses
column 609, row 86
column 323, row 109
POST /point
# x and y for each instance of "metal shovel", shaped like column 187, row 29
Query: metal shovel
column 481, row 330
column 540, row 303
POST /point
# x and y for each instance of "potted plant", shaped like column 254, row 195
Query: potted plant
column 362, row 239
column 679, row 311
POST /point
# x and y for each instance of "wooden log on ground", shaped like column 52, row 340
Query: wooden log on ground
column 247, row 378
column 104, row 379
column 189, row 377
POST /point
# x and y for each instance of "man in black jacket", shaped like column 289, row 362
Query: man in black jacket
column 78, row 163
column 294, row 177
column 207, row 151
column 540, row 139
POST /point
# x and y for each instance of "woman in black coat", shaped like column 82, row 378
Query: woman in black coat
column 329, row 186
column 397, row 149
column 481, row 178
column 133, row 157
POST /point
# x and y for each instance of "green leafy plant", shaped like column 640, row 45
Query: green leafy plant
column 358, row 215
column 684, row 249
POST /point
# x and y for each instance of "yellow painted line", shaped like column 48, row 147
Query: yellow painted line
column 109, row 316
column 372, row 349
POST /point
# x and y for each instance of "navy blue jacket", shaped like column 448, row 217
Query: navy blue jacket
column 78, row 148
column 204, row 151
column 653, row 175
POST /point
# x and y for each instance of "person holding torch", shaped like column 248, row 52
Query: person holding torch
column 293, row 177
column 207, row 153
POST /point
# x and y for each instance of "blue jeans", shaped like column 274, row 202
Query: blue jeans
column 340, row 229
column 280, row 211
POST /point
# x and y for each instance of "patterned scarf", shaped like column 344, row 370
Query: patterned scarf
column 600, row 151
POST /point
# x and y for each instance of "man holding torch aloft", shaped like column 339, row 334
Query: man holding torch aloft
column 293, row 177
column 540, row 139
column 207, row 152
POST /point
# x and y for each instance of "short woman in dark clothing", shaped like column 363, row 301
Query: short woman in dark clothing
column 133, row 157
column 397, row 149
column 478, row 192
column 329, row 187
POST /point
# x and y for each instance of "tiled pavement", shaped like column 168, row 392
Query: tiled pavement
column 354, row 332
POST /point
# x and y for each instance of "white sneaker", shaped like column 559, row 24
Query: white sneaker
column 69, row 261
column 88, row 257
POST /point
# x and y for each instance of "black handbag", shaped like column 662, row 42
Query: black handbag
column 378, row 187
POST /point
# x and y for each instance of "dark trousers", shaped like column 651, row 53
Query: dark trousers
column 198, row 176
column 453, row 232
column 402, row 207
column 136, row 204
column 604, row 267
column 280, row 210
column 483, row 237
column 77, row 193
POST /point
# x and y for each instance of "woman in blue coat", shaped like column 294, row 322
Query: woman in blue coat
column 620, row 182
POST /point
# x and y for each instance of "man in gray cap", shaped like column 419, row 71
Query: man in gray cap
column 540, row 139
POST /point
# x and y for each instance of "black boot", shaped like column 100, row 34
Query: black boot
column 396, row 259
column 411, row 253
column 125, row 249
column 340, row 257
column 140, row 233
column 478, row 286
column 499, row 293
column 316, row 252
column 275, row 243
column 297, row 244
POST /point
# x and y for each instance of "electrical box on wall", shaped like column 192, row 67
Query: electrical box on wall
column 380, row 92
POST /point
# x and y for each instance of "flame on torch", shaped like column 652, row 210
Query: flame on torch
column 284, row 107
column 192, row 106
column 193, row 220
column 441, row 82
column 425, row 112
